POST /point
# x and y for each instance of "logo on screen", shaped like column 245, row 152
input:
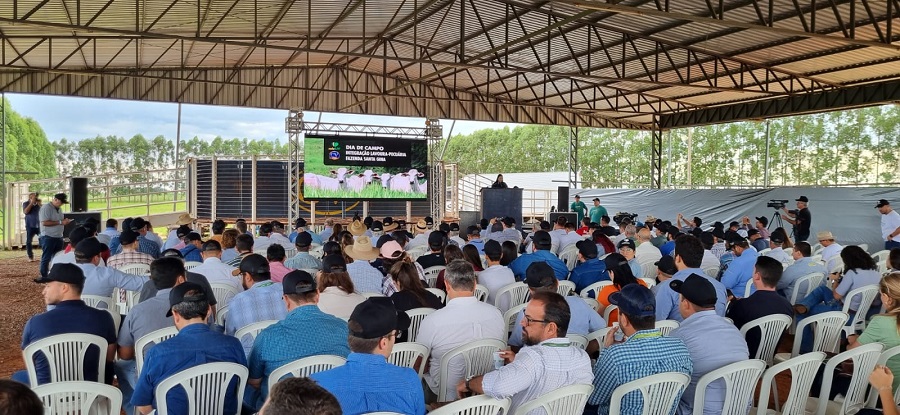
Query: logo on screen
column 334, row 155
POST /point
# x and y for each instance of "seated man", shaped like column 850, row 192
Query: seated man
column 741, row 268
column 260, row 300
column 495, row 276
column 101, row 280
column 279, row 343
column 374, row 326
column 646, row 252
column 688, row 256
column 644, row 352
column 765, row 301
column 665, row 269
column 775, row 243
column 701, row 328
column 803, row 265
column 303, row 260
column 546, row 363
column 756, row 240
column 194, row 345
column 436, row 243
column 590, row 268
column 214, row 269
column 17, row 398
column 300, row 396
column 129, row 254
column 542, row 245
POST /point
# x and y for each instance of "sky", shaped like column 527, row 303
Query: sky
column 76, row 118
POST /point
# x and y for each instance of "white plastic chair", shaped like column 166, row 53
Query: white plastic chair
column 78, row 397
column 789, row 250
column 826, row 333
column 666, row 326
column 224, row 292
column 648, row 270
column 881, row 256
column 431, row 274
column 566, row 400
column 475, row 405
column 511, row 315
column 595, row 288
column 370, row 295
column 416, row 315
column 740, row 382
column 865, row 247
column 803, row 371
column 836, row 265
column 867, row 296
column 135, row 269
column 882, row 360
column 98, row 301
column 116, row 317
column 221, row 315
column 253, row 330
column 608, row 311
column 649, row 281
column 765, row 251
column 405, row 355
column 771, row 327
column 415, row 253
column 206, row 386
column 578, row 341
column 125, row 300
column 189, row 265
column 599, row 336
column 864, row 358
column 65, row 354
column 570, row 257
column 481, row 293
column 660, row 392
column 317, row 251
column 441, row 294
column 302, row 368
column 478, row 359
column 748, row 288
column 711, row 272
column 805, row 284
column 154, row 337
column 592, row 302
column 517, row 292
column 565, row 288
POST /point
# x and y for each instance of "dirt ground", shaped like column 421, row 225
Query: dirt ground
column 20, row 298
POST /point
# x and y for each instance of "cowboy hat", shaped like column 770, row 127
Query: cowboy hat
column 362, row 249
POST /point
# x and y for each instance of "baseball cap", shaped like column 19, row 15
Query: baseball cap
column 300, row 223
column 752, row 232
column 718, row 233
column 67, row 273
column 127, row 237
column 508, row 221
column 255, row 264
column 429, row 221
column 436, row 239
column 666, row 264
column 882, row 203
column 542, row 238
column 383, row 239
column 539, row 274
column 803, row 199
column 625, row 243
column 182, row 231
column 733, row 224
column 334, row 263
column 377, row 226
column 634, row 300
column 303, row 239
column 298, row 282
column 179, row 295
column 77, row 235
column 595, row 200
column 763, row 220
column 277, row 225
column 138, row 224
column 473, row 230
column 454, row 227
column 706, row 238
column 89, row 247
column 378, row 317
column 735, row 238
column 61, row 197
column 444, row 227
column 544, row 225
column 390, row 248
column 587, row 248
column 696, row 289
column 776, row 238
column 577, row 197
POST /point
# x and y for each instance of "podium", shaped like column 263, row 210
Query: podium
column 498, row 203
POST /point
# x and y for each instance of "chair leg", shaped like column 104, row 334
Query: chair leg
column 775, row 394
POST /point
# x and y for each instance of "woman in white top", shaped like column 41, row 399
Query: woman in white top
column 336, row 295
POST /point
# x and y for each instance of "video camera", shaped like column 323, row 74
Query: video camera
column 776, row 203
column 622, row 215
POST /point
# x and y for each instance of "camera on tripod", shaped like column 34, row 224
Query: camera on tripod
column 622, row 215
column 777, row 203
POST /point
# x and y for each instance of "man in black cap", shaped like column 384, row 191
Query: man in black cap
column 129, row 254
column 701, row 328
column 52, row 225
column 373, row 328
column 756, row 240
column 626, row 248
column 437, row 241
column 453, row 235
column 800, row 218
column 300, row 227
column 740, row 270
column 890, row 225
column 99, row 280
column 665, row 269
column 554, row 230
column 718, row 248
column 303, row 260
column 590, row 268
column 194, row 345
column 508, row 233
column 145, row 245
column 473, row 233
column 77, row 235
column 775, row 249
column 542, row 246
column 69, row 314
column 280, row 343
column 260, row 300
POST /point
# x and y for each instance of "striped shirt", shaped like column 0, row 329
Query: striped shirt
column 303, row 260
column 366, row 279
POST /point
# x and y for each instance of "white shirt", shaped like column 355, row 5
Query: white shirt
column 494, row 278
column 459, row 241
column 279, row 239
column 830, row 252
column 216, row 271
column 710, row 261
column 889, row 224
column 569, row 239
column 338, row 303
column 420, row 240
column 779, row 255
column 647, row 253
column 171, row 240
column 462, row 320
column 262, row 242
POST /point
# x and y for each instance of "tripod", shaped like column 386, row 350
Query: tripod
column 778, row 223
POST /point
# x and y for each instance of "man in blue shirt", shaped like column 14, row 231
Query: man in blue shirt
column 300, row 227
column 669, row 247
column 474, row 238
column 590, row 269
column 145, row 245
column 688, row 257
column 194, row 345
column 374, row 325
column 542, row 245
column 191, row 250
column 741, row 268
column 803, row 265
column 306, row 331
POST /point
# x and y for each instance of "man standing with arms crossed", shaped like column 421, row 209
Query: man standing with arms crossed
column 32, row 222
column 578, row 207
column 52, row 225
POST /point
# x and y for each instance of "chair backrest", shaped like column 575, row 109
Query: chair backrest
column 517, row 292
column 475, row 405
column 660, row 392
column 595, row 288
column 881, row 256
column 805, row 284
column 205, row 385
column 882, row 360
column 371, row 294
column 98, row 301
column 864, row 358
column 224, row 292
column 765, row 251
column 599, row 335
column 431, row 274
column 189, row 265
column 416, row 252
column 302, row 368
column 478, row 358
column 592, row 302
column 649, row 281
column 78, row 397
column 135, row 269
column 867, row 295
column 748, row 288
column 578, row 340
column 117, row 318
column 441, row 294
column 826, row 331
column 405, row 355
column 124, row 300
column 771, row 327
column 565, row 288
column 608, row 311
column 816, row 257
column 65, row 354
column 317, row 251
column 803, row 371
column 510, row 316
column 569, row 256
column 740, row 383
column 666, row 326
column 221, row 315
column 566, row 400
column 416, row 315
column 712, row 271
column 648, row 270
column 253, row 330
column 835, row 265
column 152, row 338
column 481, row 293
column 788, row 250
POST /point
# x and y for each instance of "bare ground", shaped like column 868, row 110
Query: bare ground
column 20, row 298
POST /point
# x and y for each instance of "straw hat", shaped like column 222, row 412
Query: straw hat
column 357, row 228
column 824, row 236
column 362, row 249
column 184, row 219
column 421, row 225
column 389, row 224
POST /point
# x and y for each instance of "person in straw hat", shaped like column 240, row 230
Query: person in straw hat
column 172, row 239
column 357, row 229
column 422, row 233
column 365, row 277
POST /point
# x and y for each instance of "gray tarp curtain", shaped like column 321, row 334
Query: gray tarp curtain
column 848, row 212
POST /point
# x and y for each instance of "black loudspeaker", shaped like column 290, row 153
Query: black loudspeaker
column 570, row 217
column 468, row 218
column 78, row 219
column 499, row 203
column 562, row 202
column 78, row 194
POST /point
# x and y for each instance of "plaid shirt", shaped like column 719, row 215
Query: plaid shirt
column 645, row 353
column 129, row 257
column 148, row 247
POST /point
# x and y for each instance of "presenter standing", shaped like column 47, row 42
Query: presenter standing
column 499, row 183
column 52, row 225
column 32, row 225
column 890, row 224
column 597, row 211
column 800, row 218
column 579, row 207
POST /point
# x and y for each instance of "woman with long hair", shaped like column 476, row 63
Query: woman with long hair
column 451, row 252
column 336, row 293
column 603, row 242
column 884, row 328
column 621, row 275
column 411, row 293
column 499, row 183
column 471, row 255
column 510, row 253
column 336, row 232
column 784, row 236
column 390, row 254
column 860, row 270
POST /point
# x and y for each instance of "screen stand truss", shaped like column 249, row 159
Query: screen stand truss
column 296, row 129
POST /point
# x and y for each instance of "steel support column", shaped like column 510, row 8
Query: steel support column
column 293, row 126
column 573, row 157
column 437, row 190
column 656, row 155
